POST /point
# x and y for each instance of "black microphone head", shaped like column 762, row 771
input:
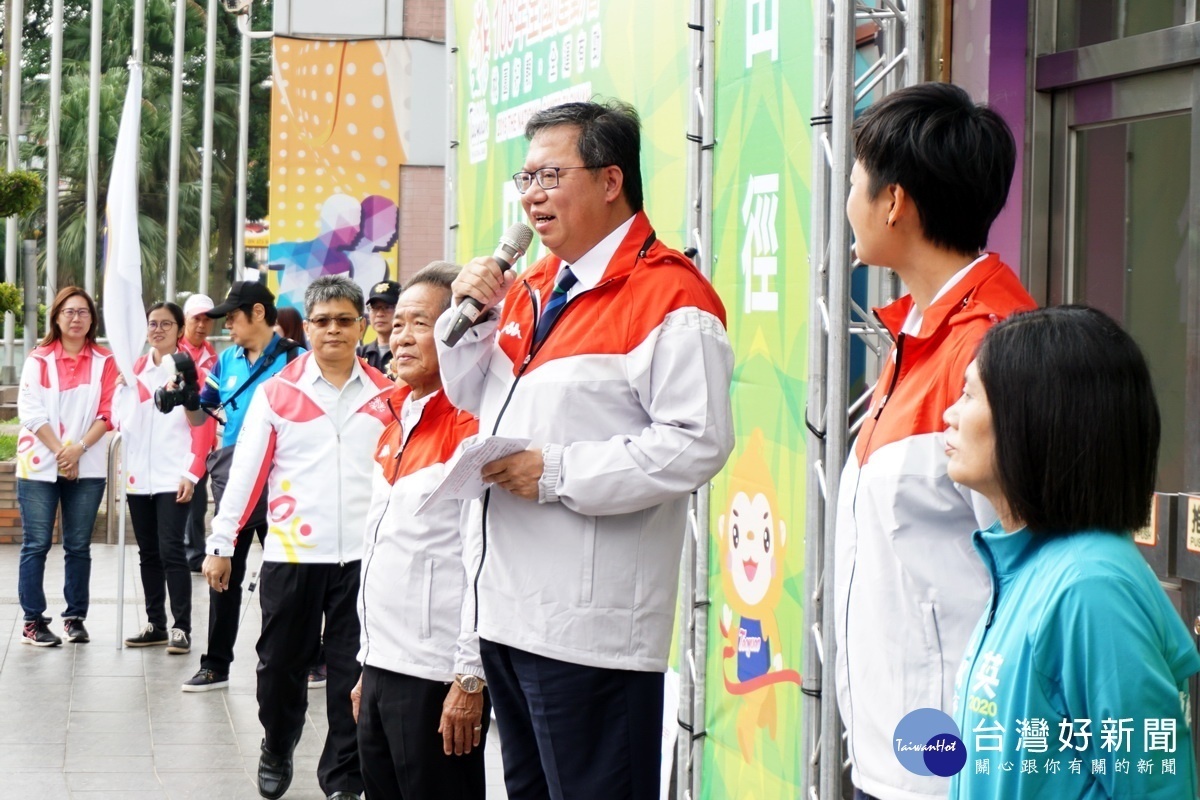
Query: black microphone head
column 517, row 239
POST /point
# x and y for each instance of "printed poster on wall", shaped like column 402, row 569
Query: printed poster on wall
column 762, row 170
column 338, row 134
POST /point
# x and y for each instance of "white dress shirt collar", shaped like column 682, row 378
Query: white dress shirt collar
column 590, row 267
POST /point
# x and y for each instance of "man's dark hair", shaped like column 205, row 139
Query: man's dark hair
column 953, row 157
column 1075, row 420
column 609, row 134
column 270, row 312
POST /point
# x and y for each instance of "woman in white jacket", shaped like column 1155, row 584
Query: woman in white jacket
column 65, row 405
column 164, row 457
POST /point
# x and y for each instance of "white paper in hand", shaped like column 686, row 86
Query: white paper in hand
column 463, row 479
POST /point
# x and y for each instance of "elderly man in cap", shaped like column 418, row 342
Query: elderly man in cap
column 256, row 354
column 197, row 326
column 381, row 306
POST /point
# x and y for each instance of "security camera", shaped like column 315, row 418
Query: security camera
column 236, row 6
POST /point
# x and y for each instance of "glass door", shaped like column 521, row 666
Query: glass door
column 1123, row 235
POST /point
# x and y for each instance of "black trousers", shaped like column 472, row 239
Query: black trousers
column 225, row 608
column 158, row 527
column 570, row 732
column 399, row 745
column 293, row 599
column 194, row 532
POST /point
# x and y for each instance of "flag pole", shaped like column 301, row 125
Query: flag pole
column 124, row 314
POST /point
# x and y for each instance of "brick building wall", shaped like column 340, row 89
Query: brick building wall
column 425, row 19
column 422, row 195
column 10, row 517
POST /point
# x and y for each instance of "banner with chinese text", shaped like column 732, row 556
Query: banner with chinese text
column 519, row 57
column 761, row 214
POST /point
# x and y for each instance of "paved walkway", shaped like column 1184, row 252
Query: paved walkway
column 92, row 721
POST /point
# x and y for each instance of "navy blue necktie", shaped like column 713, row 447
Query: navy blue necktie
column 558, row 300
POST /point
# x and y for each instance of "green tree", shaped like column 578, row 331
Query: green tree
column 153, row 167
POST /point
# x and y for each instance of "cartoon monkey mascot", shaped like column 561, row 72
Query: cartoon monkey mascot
column 753, row 541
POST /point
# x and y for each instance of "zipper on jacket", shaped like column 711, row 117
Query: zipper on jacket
column 366, row 569
column 534, row 348
column 895, row 374
column 487, row 495
column 338, row 449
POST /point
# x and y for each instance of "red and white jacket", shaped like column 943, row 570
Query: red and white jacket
column 159, row 449
column 203, row 357
column 317, row 478
column 628, row 397
column 909, row 587
column 415, row 603
column 70, row 395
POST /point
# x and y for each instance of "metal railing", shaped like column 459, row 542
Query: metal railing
column 834, row 321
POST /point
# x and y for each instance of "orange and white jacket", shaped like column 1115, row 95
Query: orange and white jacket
column 415, row 604
column 628, row 398
column 909, row 587
column 317, row 477
column 70, row 401
column 158, row 449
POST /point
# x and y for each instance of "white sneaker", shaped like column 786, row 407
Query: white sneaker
column 178, row 642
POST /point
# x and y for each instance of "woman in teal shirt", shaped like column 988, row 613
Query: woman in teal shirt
column 1075, row 683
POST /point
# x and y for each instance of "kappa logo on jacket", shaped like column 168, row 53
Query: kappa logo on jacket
column 513, row 329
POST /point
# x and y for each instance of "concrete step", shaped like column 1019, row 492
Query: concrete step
column 8, row 394
column 8, row 411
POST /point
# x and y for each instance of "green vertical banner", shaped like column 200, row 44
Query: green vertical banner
column 761, row 213
column 516, row 57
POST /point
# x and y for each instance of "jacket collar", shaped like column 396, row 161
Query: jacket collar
column 640, row 237
column 303, row 372
column 1005, row 553
column 438, row 406
column 952, row 304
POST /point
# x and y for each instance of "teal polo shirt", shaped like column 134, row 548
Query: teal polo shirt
column 232, row 370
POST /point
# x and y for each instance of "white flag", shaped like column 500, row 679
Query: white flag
column 124, row 314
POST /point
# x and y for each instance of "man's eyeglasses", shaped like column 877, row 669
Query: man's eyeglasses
column 160, row 325
column 323, row 322
column 546, row 177
column 76, row 313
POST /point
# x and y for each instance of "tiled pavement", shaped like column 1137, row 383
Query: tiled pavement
column 93, row 722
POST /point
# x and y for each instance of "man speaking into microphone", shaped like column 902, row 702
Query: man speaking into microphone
column 610, row 356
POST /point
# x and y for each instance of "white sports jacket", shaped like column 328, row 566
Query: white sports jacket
column 317, row 479
column 159, row 449
column 629, row 398
column 415, row 598
column 909, row 586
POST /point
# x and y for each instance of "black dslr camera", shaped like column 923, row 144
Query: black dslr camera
column 187, row 391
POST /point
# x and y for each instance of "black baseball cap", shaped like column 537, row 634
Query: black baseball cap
column 387, row 292
column 243, row 293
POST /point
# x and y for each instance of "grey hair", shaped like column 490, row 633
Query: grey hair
column 436, row 273
column 332, row 287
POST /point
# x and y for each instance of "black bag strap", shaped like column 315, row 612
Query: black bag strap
column 286, row 345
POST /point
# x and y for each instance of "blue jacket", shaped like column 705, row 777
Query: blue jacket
column 1078, row 630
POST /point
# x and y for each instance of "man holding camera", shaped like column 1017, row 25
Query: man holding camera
column 257, row 354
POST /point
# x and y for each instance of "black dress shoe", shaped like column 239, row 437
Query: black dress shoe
column 344, row 796
column 274, row 773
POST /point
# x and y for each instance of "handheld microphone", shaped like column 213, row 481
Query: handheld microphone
column 512, row 246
